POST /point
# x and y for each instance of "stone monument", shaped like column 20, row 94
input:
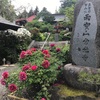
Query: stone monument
column 85, row 42
column 85, row 48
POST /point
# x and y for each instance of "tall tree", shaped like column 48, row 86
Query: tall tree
column 69, row 11
column 67, row 8
column 31, row 12
column 48, row 18
column 7, row 10
column 24, row 14
column 36, row 11
column 66, row 3
column 43, row 12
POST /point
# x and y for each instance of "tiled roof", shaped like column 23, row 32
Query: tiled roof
column 29, row 19
column 5, row 24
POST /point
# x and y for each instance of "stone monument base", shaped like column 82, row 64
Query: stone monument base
column 71, row 74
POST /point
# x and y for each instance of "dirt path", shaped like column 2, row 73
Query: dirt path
column 2, row 69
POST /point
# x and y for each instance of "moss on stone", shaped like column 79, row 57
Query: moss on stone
column 66, row 91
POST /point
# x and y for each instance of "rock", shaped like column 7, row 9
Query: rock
column 71, row 75
column 85, row 43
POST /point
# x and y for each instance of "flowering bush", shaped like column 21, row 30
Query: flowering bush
column 12, row 43
column 38, row 71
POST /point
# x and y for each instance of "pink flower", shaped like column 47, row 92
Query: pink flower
column 2, row 81
column 29, row 52
column 43, row 99
column 34, row 67
column 33, row 49
column 12, row 87
column 52, row 45
column 58, row 49
column 5, row 74
column 46, row 64
column 47, row 56
column 22, row 76
column 26, row 67
column 45, row 52
column 23, row 54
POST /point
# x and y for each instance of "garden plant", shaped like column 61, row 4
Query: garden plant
column 38, row 71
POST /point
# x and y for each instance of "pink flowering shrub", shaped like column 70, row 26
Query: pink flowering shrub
column 12, row 87
column 46, row 64
column 43, row 99
column 2, row 81
column 26, row 67
column 34, row 67
column 23, row 54
column 22, row 76
column 5, row 74
column 38, row 71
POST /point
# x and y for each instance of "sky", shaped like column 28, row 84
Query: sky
column 51, row 5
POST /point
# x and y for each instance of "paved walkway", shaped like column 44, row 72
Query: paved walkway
column 2, row 69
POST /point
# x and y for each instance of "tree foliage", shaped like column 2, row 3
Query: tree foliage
column 31, row 12
column 7, row 10
column 69, row 11
column 24, row 14
column 36, row 11
column 68, row 3
column 43, row 12
column 49, row 18
column 67, row 8
column 43, row 27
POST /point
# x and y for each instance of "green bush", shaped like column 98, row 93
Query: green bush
column 43, row 27
column 64, row 35
column 34, row 23
column 11, row 45
column 46, row 28
column 38, row 29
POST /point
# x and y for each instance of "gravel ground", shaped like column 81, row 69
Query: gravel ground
column 2, row 88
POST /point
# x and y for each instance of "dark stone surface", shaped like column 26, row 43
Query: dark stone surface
column 94, row 40
column 71, row 74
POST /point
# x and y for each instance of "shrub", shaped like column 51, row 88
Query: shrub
column 34, row 23
column 43, row 27
column 11, row 45
column 46, row 28
column 64, row 35
column 38, row 71
column 36, row 35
